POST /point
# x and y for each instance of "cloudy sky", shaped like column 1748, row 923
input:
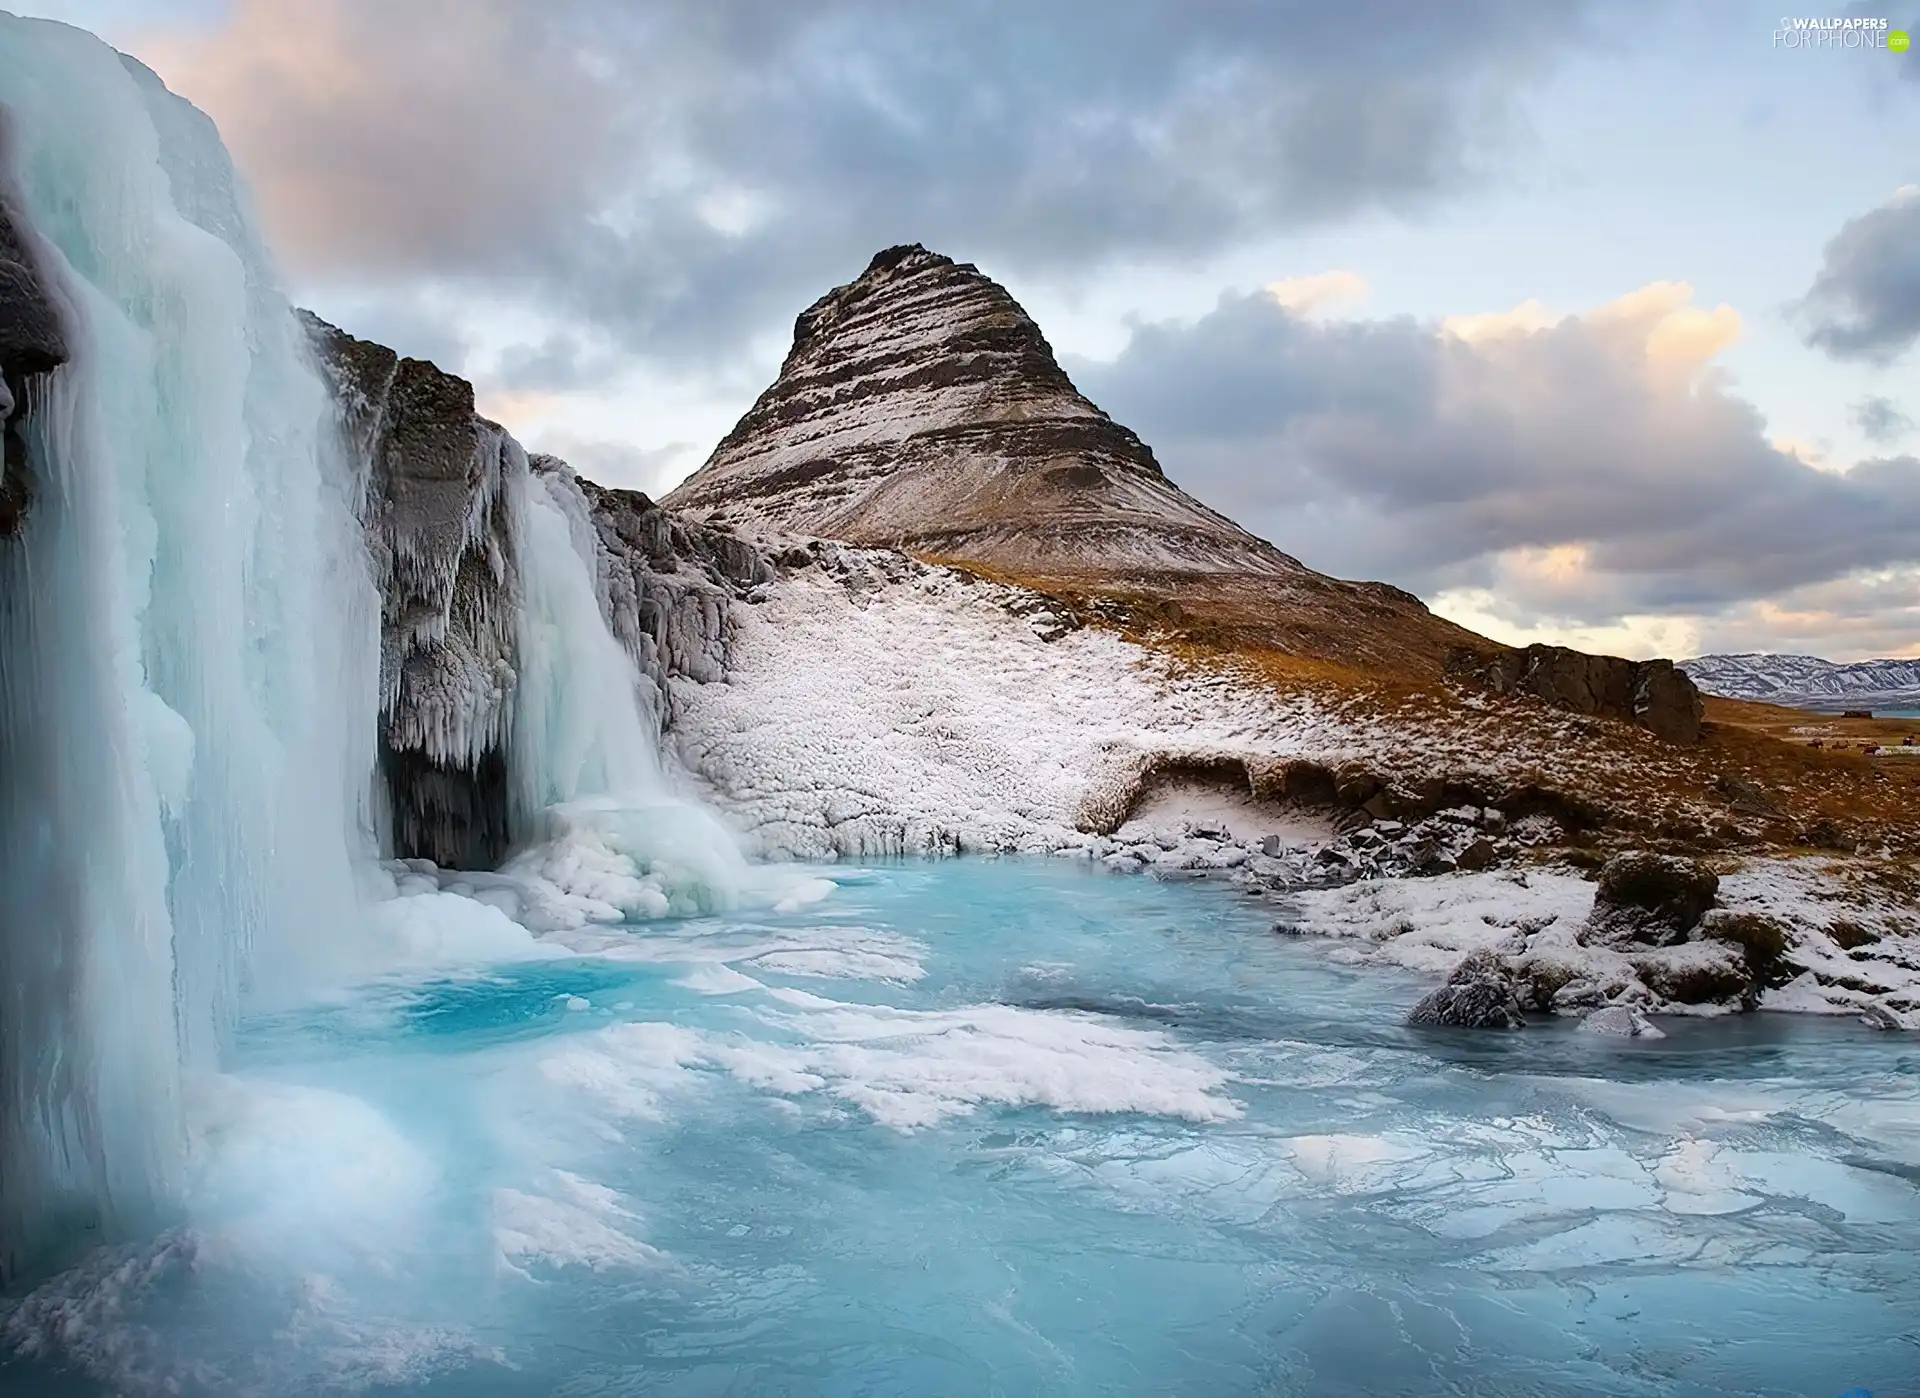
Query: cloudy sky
column 1588, row 322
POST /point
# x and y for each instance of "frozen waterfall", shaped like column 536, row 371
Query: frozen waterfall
column 190, row 666
column 187, row 634
column 590, row 798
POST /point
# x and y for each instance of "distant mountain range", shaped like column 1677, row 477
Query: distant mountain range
column 1808, row 682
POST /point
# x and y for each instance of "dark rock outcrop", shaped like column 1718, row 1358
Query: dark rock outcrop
column 1762, row 940
column 436, row 495
column 33, row 342
column 440, row 491
column 671, row 583
column 1651, row 693
column 1699, row 972
column 1649, row 900
column 1479, row 994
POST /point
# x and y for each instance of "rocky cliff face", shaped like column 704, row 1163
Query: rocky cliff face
column 436, row 491
column 33, row 342
column 1651, row 693
column 669, row 584
column 440, row 488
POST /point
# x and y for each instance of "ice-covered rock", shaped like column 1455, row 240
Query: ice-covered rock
column 668, row 584
column 1621, row 1021
column 1479, row 994
column 1878, row 1016
column 436, row 490
column 1649, row 899
column 442, row 492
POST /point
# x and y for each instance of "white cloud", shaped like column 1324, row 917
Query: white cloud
column 1308, row 295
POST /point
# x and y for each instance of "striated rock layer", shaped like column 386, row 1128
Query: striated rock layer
column 920, row 408
column 440, row 490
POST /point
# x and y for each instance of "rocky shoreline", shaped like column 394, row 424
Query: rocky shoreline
column 1645, row 934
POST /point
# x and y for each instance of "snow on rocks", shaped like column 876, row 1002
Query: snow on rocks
column 1770, row 945
column 1650, row 899
column 1479, row 994
column 877, row 706
column 1847, row 948
column 1619, row 1021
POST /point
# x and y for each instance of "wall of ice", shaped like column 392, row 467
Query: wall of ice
column 187, row 666
column 274, row 602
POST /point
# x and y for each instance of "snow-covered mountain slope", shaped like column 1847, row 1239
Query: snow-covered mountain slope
column 921, row 409
column 1806, row 681
column 875, row 704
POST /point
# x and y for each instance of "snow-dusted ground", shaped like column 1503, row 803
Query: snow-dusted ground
column 882, row 708
column 879, row 707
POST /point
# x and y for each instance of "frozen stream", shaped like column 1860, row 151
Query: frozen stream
column 1006, row 1127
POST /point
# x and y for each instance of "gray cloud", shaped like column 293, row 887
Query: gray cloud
column 560, row 362
column 1880, row 419
column 1386, row 449
column 401, row 323
column 683, row 171
column 1847, row 618
column 1865, row 303
column 653, row 470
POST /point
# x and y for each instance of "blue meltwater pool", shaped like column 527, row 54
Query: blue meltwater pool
column 1007, row 1127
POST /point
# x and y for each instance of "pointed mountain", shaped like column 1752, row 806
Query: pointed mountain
column 921, row 409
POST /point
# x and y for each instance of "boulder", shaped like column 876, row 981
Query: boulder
column 1479, row 994
column 1698, row 973
column 1476, row 856
column 1648, row 900
column 1762, row 939
column 1621, row 1021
